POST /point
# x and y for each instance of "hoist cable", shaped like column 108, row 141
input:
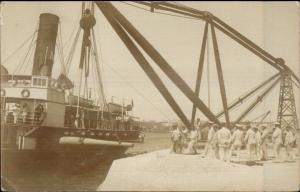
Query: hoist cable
column 72, row 51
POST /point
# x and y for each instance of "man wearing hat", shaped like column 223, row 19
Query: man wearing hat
column 250, row 139
column 176, row 140
column 210, row 135
column 223, row 139
column 237, row 141
column 277, row 140
column 264, row 143
column 258, row 150
column 288, row 143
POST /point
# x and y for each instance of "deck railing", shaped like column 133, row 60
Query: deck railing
column 26, row 118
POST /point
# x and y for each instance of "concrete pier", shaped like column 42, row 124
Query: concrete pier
column 162, row 171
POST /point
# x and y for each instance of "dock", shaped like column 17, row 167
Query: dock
column 163, row 171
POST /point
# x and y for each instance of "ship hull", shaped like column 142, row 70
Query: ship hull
column 42, row 140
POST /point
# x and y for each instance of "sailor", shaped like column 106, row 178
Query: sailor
column 210, row 136
column 38, row 113
column 176, row 140
column 16, row 111
column 237, row 141
column 277, row 140
column 25, row 111
column 223, row 138
column 288, row 143
column 78, row 120
column 250, row 140
column 185, row 136
column 258, row 150
column 198, row 128
column 264, row 143
column 193, row 136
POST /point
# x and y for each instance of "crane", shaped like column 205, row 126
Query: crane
column 135, row 42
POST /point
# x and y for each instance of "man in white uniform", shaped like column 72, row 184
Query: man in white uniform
column 277, row 140
column 258, row 150
column 288, row 143
column 210, row 136
column 264, row 143
column 237, row 141
column 250, row 140
column 176, row 140
column 193, row 141
column 223, row 138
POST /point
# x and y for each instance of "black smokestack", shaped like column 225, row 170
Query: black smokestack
column 45, row 45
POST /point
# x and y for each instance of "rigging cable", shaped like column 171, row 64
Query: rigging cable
column 26, row 55
column 72, row 51
column 30, row 58
column 99, row 76
column 139, row 92
column 60, row 51
column 72, row 33
column 19, row 48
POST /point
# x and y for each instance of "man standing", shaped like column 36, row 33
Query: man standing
column 193, row 141
column 258, row 143
column 264, row 143
column 250, row 139
column 176, row 140
column 16, row 112
column 288, row 143
column 223, row 137
column 210, row 137
column 237, row 141
column 25, row 111
column 277, row 140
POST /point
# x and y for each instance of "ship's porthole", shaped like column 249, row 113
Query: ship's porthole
column 25, row 93
column 3, row 93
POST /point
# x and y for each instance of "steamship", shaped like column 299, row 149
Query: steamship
column 41, row 113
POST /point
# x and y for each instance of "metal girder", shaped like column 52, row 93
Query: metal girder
column 158, row 6
column 241, row 99
column 220, row 74
column 137, row 54
column 258, row 100
column 253, row 50
column 287, row 115
column 200, row 68
column 160, row 61
column 224, row 27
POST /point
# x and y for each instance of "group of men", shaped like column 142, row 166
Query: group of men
column 222, row 142
column 21, row 112
column 185, row 141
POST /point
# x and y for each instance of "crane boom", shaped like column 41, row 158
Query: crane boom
column 277, row 63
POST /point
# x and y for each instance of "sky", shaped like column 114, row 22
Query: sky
column 272, row 25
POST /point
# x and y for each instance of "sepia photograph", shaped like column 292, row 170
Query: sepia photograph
column 150, row 96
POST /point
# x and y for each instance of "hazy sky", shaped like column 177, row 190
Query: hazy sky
column 272, row 25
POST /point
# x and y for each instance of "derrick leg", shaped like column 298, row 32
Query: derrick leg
column 287, row 115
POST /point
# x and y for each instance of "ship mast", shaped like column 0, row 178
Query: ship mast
column 88, row 54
